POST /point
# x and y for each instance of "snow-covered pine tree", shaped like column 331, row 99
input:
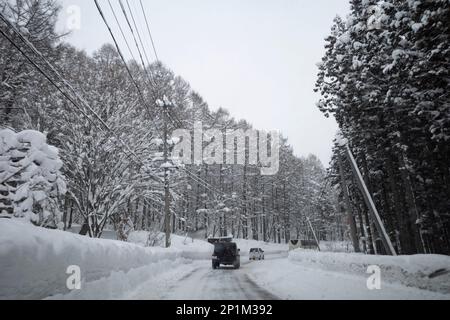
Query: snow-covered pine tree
column 384, row 79
column 31, row 182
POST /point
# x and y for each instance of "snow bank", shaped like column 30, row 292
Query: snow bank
column 293, row 281
column 33, row 181
column 123, row 285
column 186, row 242
column 33, row 261
column 336, row 246
column 106, row 234
column 430, row 272
column 196, row 248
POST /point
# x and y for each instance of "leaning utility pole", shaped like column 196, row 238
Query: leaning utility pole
column 166, row 179
column 314, row 233
column 350, row 217
column 369, row 202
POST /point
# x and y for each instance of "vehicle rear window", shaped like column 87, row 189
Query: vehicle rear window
column 219, row 248
column 222, row 248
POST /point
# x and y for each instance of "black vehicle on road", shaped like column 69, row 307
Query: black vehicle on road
column 225, row 253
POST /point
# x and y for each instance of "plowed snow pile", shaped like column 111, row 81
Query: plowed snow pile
column 34, row 261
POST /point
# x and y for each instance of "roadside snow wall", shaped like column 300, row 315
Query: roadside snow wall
column 429, row 272
column 34, row 261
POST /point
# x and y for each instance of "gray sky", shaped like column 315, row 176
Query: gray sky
column 256, row 58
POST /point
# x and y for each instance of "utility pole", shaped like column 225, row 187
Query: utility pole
column 350, row 217
column 314, row 233
column 166, row 179
column 370, row 204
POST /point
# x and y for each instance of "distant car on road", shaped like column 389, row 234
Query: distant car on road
column 256, row 254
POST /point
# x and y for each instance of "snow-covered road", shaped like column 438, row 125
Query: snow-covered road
column 200, row 282
column 34, row 266
column 204, row 283
column 274, row 278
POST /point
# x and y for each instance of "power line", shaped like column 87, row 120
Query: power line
column 148, row 29
column 117, row 46
column 135, row 40
column 138, row 33
column 121, row 30
column 141, row 96
column 150, row 78
column 176, row 121
column 66, row 95
column 58, row 75
column 193, row 176
column 123, row 59
column 77, row 96
column 39, row 54
column 45, row 75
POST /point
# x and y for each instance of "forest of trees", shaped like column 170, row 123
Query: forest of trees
column 108, row 187
column 385, row 77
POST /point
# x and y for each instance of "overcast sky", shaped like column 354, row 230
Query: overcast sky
column 255, row 58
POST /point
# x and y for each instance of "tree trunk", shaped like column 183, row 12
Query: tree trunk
column 351, row 218
column 412, row 209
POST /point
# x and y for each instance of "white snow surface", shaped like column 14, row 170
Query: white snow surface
column 336, row 246
column 38, row 171
column 415, row 270
column 33, row 264
column 34, row 261
column 291, row 280
column 274, row 278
